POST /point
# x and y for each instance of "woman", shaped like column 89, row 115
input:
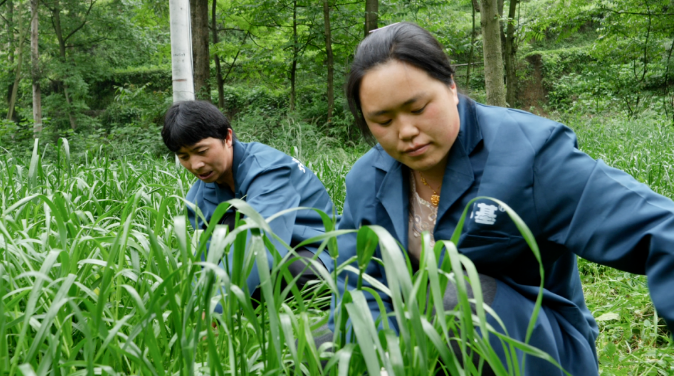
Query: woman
column 267, row 179
column 437, row 150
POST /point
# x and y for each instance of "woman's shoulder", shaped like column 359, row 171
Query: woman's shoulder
column 515, row 126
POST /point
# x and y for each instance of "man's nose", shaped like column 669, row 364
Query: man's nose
column 197, row 164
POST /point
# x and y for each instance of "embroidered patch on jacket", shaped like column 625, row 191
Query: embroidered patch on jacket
column 300, row 165
column 486, row 214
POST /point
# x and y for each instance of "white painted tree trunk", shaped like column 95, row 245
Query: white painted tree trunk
column 181, row 50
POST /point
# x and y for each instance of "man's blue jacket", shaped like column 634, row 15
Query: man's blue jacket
column 574, row 205
column 270, row 181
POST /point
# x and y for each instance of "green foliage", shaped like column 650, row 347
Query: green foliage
column 259, row 99
column 626, row 65
column 99, row 272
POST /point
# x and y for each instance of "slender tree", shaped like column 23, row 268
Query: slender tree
column 493, row 58
column 476, row 5
column 17, row 73
column 218, row 68
column 330, row 59
column 371, row 15
column 510, row 50
column 200, row 51
column 472, row 44
column 62, row 39
column 35, row 69
column 9, row 23
column 293, row 64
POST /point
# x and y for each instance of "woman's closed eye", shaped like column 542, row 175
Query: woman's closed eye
column 417, row 112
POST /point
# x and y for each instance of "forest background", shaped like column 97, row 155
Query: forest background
column 98, row 73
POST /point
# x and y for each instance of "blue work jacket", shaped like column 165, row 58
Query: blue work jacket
column 573, row 204
column 270, row 181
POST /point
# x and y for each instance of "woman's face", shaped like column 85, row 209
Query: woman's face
column 412, row 115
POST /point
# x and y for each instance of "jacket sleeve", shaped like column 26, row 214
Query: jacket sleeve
column 347, row 280
column 606, row 216
column 271, row 192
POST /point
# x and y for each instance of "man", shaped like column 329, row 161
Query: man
column 267, row 179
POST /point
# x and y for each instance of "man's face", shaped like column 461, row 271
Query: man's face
column 210, row 159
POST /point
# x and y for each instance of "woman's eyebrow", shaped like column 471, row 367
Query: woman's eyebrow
column 406, row 103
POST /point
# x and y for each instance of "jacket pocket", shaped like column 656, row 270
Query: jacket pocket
column 495, row 253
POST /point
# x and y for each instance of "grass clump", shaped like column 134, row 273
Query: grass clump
column 101, row 274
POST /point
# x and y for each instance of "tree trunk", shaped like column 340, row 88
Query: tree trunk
column 17, row 80
column 510, row 50
column 218, row 68
column 503, row 27
column 56, row 16
column 470, row 54
column 35, row 69
column 493, row 58
column 330, row 62
column 200, row 53
column 476, row 5
column 10, row 46
column 17, row 73
column 371, row 15
column 293, row 66
column 181, row 51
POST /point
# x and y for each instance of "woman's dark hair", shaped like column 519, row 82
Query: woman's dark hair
column 189, row 122
column 405, row 42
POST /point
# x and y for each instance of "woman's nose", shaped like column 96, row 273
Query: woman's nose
column 408, row 129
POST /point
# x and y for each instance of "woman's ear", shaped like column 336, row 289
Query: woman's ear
column 454, row 91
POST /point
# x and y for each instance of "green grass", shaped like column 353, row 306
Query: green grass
column 98, row 274
column 632, row 339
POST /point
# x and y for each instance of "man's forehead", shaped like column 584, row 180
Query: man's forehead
column 188, row 148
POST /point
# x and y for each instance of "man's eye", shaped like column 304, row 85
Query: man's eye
column 183, row 157
column 387, row 122
column 419, row 110
column 201, row 152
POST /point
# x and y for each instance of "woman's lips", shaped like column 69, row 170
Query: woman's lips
column 417, row 151
column 205, row 176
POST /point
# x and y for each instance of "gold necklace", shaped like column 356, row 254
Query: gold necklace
column 435, row 197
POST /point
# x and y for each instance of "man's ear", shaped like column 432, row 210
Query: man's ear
column 229, row 139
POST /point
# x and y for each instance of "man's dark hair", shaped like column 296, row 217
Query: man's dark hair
column 404, row 42
column 189, row 122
